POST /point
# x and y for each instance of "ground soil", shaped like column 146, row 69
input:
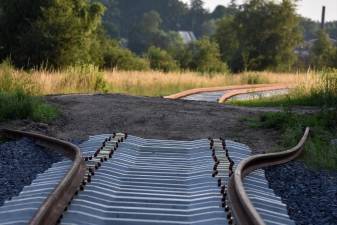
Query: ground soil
column 83, row 115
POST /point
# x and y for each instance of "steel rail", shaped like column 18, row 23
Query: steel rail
column 53, row 207
column 213, row 89
column 242, row 208
column 236, row 92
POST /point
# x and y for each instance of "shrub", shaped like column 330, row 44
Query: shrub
column 10, row 81
column 206, row 57
column 161, row 60
column 83, row 78
column 253, row 78
column 116, row 57
column 18, row 105
column 318, row 150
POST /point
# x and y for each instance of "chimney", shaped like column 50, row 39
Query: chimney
column 323, row 18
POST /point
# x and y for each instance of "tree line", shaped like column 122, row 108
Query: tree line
column 142, row 35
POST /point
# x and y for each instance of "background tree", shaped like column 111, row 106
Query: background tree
column 323, row 52
column 309, row 28
column 111, row 17
column 206, row 57
column 55, row 33
column 148, row 32
column 265, row 34
column 161, row 60
column 197, row 16
column 116, row 57
column 143, row 33
column 226, row 36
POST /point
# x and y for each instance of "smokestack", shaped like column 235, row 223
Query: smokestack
column 323, row 18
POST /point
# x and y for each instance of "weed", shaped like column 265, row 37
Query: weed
column 18, row 105
column 319, row 90
column 319, row 153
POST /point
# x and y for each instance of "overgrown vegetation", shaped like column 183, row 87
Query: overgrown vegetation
column 90, row 79
column 319, row 90
column 18, row 98
column 110, row 34
column 320, row 151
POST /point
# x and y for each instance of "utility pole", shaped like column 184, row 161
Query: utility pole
column 323, row 18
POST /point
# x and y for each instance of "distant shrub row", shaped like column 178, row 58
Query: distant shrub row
column 201, row 56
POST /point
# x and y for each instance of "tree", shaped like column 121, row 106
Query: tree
column 323, row 52
column 143, row 33
column 116, row 57
column 264, row 35
column 309, row 28
column 206, row 57
column 56, row 32
column 161, row 60
column 222, row 11
column 148, row 33
column 197, row 16
column 111, row 18
column 226, row 36
column 172, row 12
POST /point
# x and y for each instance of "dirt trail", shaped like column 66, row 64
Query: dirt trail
column 83, row 115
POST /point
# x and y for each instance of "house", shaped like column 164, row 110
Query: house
column 187, row 36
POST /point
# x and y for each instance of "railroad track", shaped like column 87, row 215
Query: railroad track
column 240, row 92
column 123, row 179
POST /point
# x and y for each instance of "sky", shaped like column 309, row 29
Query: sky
column 308, row 8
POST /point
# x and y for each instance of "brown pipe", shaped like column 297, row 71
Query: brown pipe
column 53, row 207
column 242, row 208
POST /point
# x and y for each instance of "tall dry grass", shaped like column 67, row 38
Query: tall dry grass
column 89, row 79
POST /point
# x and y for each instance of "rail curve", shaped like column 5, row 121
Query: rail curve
column 234, row 199
column 53, row 206
column 230, row 91
column 242, row 208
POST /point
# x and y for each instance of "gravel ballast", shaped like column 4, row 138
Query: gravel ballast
column 311, row 196
column 20, row 162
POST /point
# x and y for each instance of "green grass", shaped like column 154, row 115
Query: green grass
column 18, row 105
column 319, row 153
column 279, row 101
column 19, row 98
column 322, row 93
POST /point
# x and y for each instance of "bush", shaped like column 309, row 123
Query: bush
column 206, row 57
column 116, row 57
column 83, row 78
column 18, row 105
column 323, row 52
column 318, row 150
column 18, row 98
column 254, row 78
column 161, row 60
column 10, row 82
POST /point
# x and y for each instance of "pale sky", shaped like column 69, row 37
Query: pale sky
column 308, row 8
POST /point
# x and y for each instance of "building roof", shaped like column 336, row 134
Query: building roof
column 187, row 36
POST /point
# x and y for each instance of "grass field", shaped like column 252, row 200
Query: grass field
column 318, row 90
column 20, row 93
column 88, row 79
column 19, row 98
column 319, row 152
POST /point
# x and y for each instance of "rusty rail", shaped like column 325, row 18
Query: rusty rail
column 213, row 89
column 53, row 207
column 242, row 208
column 233, row 93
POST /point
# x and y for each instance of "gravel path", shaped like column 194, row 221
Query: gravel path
column 20, row 162
column 154, row 118
column 311, row 196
